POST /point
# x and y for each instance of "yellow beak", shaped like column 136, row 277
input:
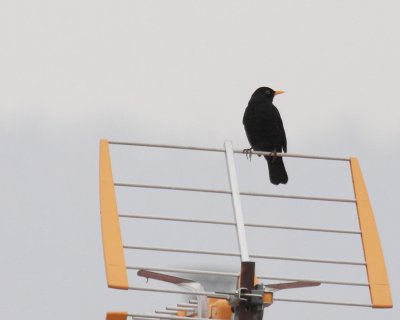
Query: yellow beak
column 278, row 92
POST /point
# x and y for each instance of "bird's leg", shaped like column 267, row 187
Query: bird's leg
column 248, row 152
column 274, row 156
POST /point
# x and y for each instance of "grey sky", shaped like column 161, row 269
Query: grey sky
column 178, row 72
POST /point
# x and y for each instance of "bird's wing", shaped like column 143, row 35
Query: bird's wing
column 248, row 121
column 281, row 127
column 284, row 144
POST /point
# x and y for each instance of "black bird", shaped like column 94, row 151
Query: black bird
column 265, row 132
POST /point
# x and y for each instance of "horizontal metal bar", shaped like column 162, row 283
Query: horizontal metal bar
column 156, row 316
column 165, row 312
column 180, row 308
column 294, row 155
column 136, row 185
column 171, row 146
column 340, row 283
column 254, row 194
column 269, row 195
column 302, row 228
column 352, row 263
column 189, row 271
column 233, row 254
column 337, row 303
column 233, row 224
column 216, row 253
column 146, row 217
column 192, row 293
column 168, row 146
column 233, row 274
column 187, row 305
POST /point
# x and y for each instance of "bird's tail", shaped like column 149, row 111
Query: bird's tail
column 277, row 171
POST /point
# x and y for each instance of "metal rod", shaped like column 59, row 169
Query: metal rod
column 176, row 219
column 233, row 254
column 269, row 195
column 187, row 305
column 192, row 293
column 170, row 146
column 237, row 207
column 233, row 224
column 155, row 316
column 324, row 302
column 136, row 185
column 302, row 228
column 294, row 155
column 230, row 254
column 180, row 308
column 233, row 274
column 353, row 263
column 340, row 283
column 165, row 312
column 190, row 271
column 254, row 194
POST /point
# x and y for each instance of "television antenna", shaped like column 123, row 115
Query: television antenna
column 250, row 298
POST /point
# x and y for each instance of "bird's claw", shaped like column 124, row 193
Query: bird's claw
column 248, row 152
column 274, row 156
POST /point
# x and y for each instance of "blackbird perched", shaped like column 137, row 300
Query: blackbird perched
column 265, row 132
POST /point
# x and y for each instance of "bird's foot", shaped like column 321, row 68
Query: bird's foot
column 274, row 156
column 248, row 152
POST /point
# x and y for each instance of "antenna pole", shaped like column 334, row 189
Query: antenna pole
column 237, row 207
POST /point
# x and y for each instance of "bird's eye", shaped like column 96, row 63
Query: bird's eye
column 268, row 92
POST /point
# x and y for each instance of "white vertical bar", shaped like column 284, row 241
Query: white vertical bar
column 237, row 208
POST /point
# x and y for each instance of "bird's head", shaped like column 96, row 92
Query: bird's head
column 266, row 93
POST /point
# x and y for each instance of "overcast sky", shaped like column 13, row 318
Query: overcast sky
column 181, row 72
